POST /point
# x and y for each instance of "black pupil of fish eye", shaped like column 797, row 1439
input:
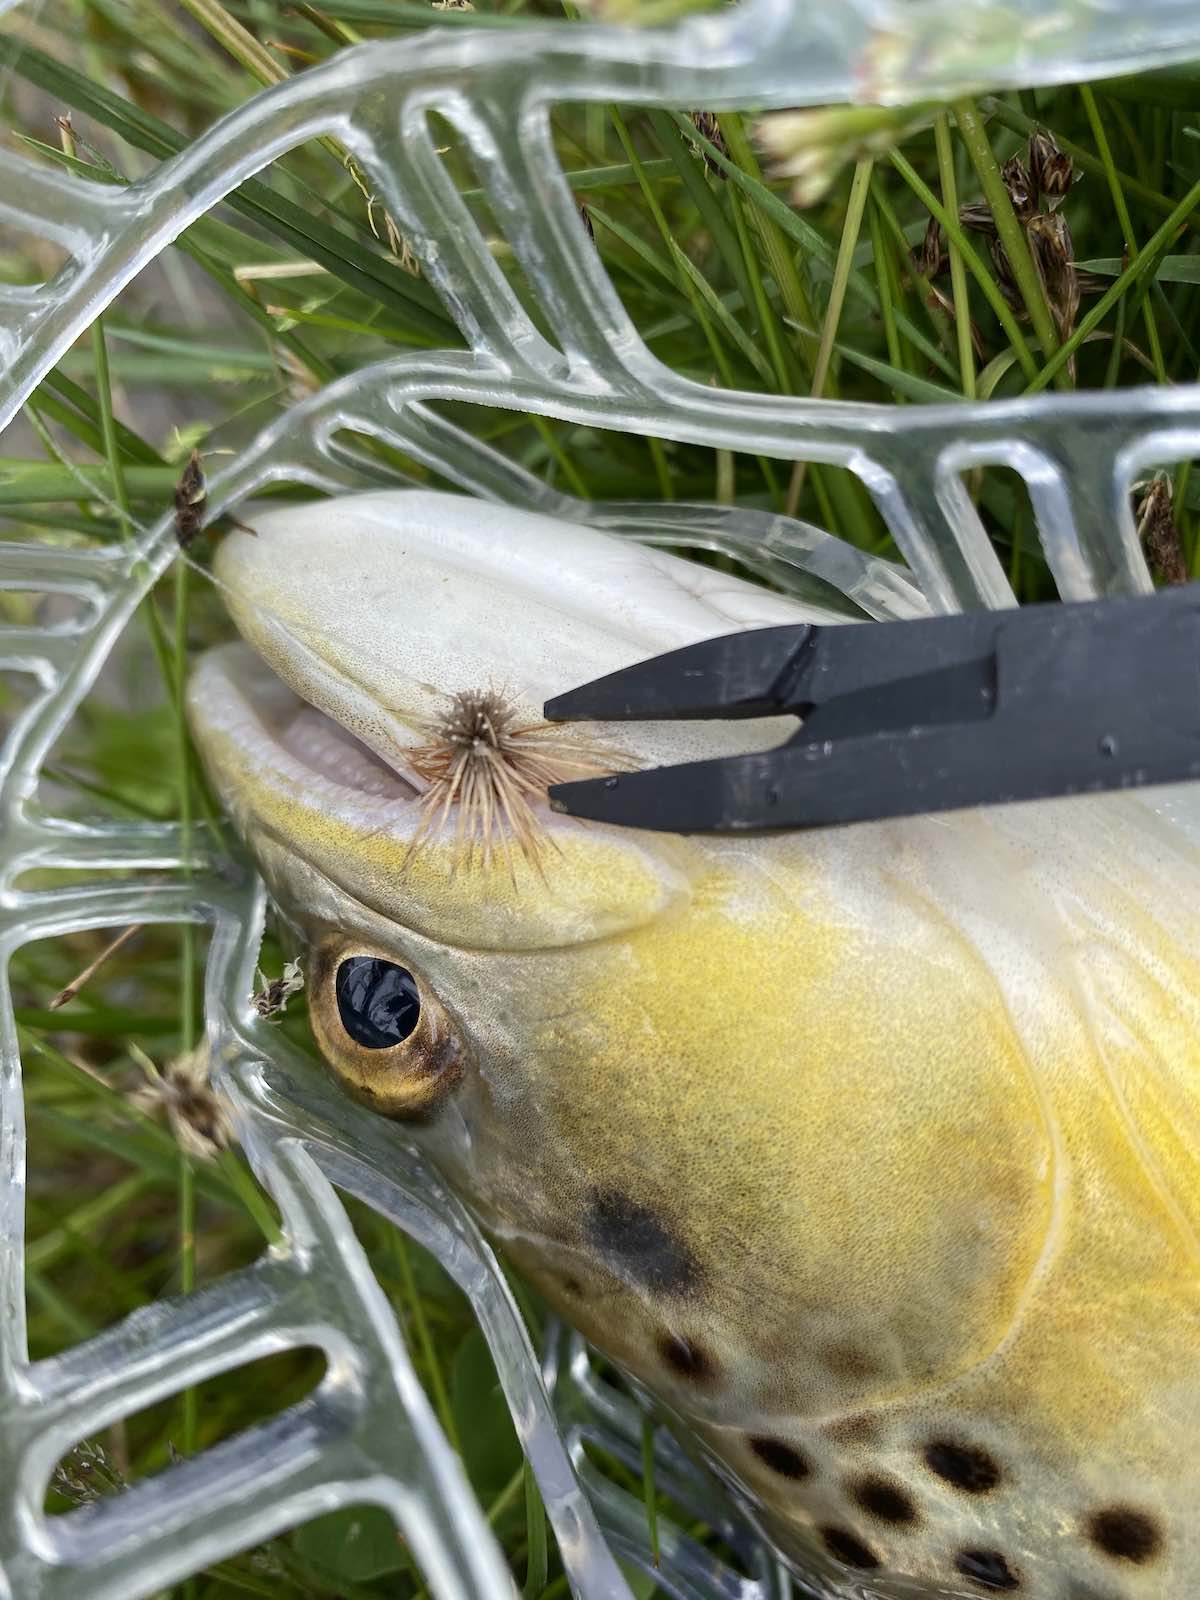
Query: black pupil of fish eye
column 378, row 1002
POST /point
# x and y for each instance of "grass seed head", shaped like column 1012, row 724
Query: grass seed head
column 1020, row 186
column 1159, row 532
column 1052, row 171
column 273, row 994
column 87, row 1474
column 183, row 1089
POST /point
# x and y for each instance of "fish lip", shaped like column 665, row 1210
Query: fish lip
column 316, row 739
column 324, row 688
column 301, row 741
column 305, row 827
column 236, row 691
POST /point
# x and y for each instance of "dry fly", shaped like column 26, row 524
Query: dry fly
column 480, row 761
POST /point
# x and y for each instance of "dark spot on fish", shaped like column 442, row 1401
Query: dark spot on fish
column 781, row 1458
column 687, row 1358
column 884, row 1499
column 849, row 1361
column 637, row 1243
column 860, row 1429
column 573, row 1287
column 848, row 1549
column 987, row 1568
column 1125, row 1534
column 966, row 1466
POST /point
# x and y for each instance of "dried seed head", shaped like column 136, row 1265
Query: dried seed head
column 1020, row 187
column 1052, row 172
column 932, row 257
column 274, row 993
column 184, row 1090
column 706, row 124
column 978, row 217
column 1054, row 256
column 1092, row 282
column 585, row 217
column 1057, row 177
column 191, row 501
column 1159, row 532
column 86, row 1474
column 482, row 764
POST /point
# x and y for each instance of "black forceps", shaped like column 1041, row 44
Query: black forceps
column 907, row 717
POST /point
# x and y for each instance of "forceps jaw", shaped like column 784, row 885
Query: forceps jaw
column 912, row 717
column 738, row 675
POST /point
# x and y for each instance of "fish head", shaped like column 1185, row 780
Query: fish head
column 870, row 1151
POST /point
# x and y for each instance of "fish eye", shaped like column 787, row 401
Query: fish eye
column 378, row 1001
column 382, row 1028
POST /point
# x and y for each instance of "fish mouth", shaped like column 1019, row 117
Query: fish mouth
column 279, row 733
column 326, row 750
column 296, row 746
column 363, row 618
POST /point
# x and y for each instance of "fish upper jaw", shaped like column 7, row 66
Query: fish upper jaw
column 375, row 608
column 362, row 618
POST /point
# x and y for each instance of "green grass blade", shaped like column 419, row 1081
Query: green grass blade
column 536, row 1570
column 1012, row 235
column 905, row 383
column 1118, row 198
column 1171, row 269
column 365, row 270
column 958, row 275
column 736, row 334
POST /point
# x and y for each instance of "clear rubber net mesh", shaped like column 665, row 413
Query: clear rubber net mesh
column 368, row 1434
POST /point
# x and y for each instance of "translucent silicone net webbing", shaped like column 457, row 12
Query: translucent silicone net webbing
column 368, row 1433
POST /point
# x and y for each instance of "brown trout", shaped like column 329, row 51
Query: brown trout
column 874, row 1152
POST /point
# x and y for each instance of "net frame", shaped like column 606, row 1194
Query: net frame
column 368, row 1434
